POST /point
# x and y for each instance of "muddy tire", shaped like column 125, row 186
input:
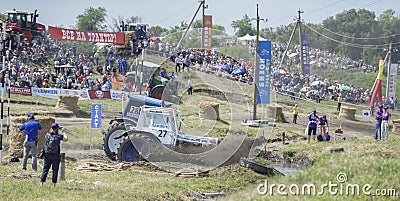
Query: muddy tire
column 256, row 167
column 157, row 92
column 145, row 143
column 112, row 139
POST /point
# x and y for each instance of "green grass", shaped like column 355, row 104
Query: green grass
column 133, row 184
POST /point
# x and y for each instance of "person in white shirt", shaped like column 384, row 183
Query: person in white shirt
column 190, row 89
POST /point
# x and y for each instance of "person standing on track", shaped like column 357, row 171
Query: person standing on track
column 385, row 123
column 295, row 113
column 312, row 125
column 339, row 102
column 31, row 128
column 378, row 122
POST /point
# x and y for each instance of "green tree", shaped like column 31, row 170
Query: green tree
column 2, row 17
column 157, row 31
column 92, row 19
column 243, row 26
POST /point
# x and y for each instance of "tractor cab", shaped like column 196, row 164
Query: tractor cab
column 139, row 30
column 24, row 23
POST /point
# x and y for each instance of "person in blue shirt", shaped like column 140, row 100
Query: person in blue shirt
column 378, row 122
column 312, row 125
column 53, row 159
column 31, row 128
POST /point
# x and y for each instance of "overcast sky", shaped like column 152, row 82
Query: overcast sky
column 168, row 13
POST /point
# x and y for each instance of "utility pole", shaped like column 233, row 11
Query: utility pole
column 256, row 66
column 204, row 6
column 2, row 92
column 301, row 44
column 389, row 62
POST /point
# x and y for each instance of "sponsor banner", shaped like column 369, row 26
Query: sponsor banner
column 207, row 32
column 304, row 54
column 26, row 91
column 96, row 115
column 86, row 36
column 118, row 95
column 392, row 80
column 263, row 81
column 46, row 92
column 82, row 94
column 97, row 94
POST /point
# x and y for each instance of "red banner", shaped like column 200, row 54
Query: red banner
column 86, row 36
column 207, row 36
column 26, row 91
column 95, row 94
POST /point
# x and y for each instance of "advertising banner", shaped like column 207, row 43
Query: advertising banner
column 263, row 81
column 304, row 54
column 83, row 94
column 86, row 36
column 26, row 91
column 392, row 80
column 46, row 92
column 118, row 95
column 97, row 94
column 207, row 32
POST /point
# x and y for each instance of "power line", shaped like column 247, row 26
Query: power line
column 376, row 38
column 370, row 4
column 326, row 6
column 351, row 44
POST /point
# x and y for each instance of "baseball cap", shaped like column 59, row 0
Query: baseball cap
column 55, row 125
column 386, row 107
column 31, row 115
column 314, row 110
column 380, row 106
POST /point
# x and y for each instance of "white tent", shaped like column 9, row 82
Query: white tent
column 248, row 37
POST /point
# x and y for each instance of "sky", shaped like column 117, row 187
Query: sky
column 168, row 13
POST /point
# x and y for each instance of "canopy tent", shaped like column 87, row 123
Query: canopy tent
column 249, row 37
column 239, row 71
column 318, row 82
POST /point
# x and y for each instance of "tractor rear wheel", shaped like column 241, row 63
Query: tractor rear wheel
column 112, row 138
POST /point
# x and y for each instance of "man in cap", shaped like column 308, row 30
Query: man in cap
column 295, row 113
column 378, row 122
column 52, row 155
column 31, row 128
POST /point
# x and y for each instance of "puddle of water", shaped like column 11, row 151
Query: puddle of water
column 286, row 168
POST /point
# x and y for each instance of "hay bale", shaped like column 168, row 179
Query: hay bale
column 68, row 101
column 395, row 123
column 348, row 113
column 208, row 110
column 274, row 111
column 17, row 137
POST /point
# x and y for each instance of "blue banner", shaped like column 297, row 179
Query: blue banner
column 263, row 81
column 96, row 115
column 304, row 54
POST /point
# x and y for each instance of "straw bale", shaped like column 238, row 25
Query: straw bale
column 209, row 110
column 68, row 101
column 348, row 113
column 274, row 111
column 17, row 137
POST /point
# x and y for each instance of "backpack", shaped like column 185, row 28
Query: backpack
column 51, row 145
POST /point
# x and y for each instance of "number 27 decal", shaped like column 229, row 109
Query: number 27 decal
column 162, row 133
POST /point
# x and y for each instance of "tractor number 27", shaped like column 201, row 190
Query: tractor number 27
column 162, row 133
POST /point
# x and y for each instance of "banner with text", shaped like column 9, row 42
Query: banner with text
column 264, row 71
column 119, row 95
column 392, row 80
column 304, row 54
column 97, row 111
column 26, row 91
column 45, row 92
column 86, row 36
column 207, row 32
column 83, row 94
